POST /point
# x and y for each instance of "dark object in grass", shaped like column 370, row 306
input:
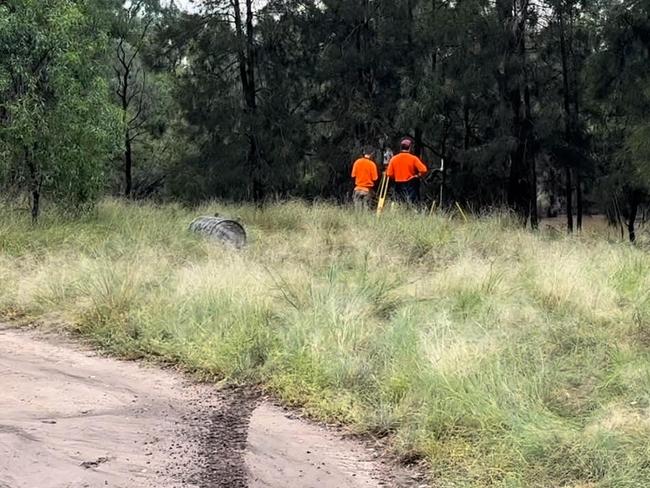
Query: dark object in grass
column 227, row 231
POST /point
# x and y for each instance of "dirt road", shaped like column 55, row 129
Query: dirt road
column 71, row 418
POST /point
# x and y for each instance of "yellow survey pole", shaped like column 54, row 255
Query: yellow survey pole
column 383, row 193
column 460, row 209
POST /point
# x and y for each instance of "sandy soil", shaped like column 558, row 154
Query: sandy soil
column 71, row 418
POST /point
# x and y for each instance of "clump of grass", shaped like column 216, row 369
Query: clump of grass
column 502, row 357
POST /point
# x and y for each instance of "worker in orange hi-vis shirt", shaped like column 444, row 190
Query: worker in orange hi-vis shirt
column 364, row 172
column 406, row 169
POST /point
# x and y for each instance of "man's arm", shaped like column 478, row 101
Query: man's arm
column 421, row 167
column 375, row 174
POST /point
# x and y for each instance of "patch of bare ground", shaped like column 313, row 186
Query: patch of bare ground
column 72, row 418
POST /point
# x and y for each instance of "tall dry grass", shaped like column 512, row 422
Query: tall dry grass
column 503, row 357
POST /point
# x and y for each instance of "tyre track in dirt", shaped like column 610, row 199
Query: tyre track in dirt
column 72, row 418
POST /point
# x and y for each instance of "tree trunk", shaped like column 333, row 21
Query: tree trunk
column 246, row 60
column 534, row 216
column 418, row 149
column 36, row 204
column 418, row 142
column 257, row 183
column 34, row 184
column 251, row 96
column 467, row 134
column 443, row 173
column 123, row 92
column 434, row 53
column 569, row 128
column 565, row 77
column 241, row 54
column 569, row 199
column 530, row 154
column 128, row 166
column 467, row 127
column 633, row 202
column 250, row 57
column 579, row 203
column 519, row 186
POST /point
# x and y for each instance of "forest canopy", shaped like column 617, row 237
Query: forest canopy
column 537, row 106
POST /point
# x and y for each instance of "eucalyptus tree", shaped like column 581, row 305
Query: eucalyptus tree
column 132, row 25
column 620, row 92
column 57, row 125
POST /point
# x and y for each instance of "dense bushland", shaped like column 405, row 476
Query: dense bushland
column 538, row 106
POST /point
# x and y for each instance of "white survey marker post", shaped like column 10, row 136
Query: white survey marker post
column 442, row 179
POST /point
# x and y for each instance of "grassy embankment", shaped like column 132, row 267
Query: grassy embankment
column 503, row 357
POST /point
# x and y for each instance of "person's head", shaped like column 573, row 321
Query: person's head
column 406, row 144
column 368, row 153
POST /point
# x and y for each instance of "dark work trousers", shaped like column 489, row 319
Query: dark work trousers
column 361, row 199
column 408, row 191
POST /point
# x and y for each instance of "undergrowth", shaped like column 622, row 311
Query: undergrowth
column 502, row 357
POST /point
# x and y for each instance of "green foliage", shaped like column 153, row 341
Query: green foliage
column 57, row 125
column 335, row 76
column 638, row 146
column 619, row 82
column 277, row 99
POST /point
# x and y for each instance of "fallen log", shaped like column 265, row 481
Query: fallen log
column 228, row 231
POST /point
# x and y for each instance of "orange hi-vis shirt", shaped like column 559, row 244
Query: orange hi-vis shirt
column 365, row 174
column 405, row 166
